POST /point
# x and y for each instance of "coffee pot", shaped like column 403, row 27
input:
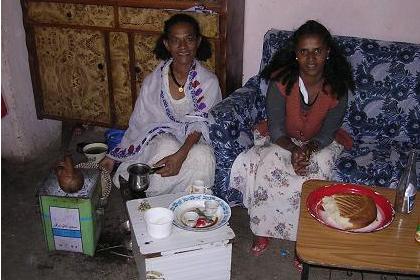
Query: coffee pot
column 69, row 179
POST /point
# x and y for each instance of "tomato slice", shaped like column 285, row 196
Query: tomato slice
column 201, row 222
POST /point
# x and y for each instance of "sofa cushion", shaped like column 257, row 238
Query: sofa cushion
column 373, row 164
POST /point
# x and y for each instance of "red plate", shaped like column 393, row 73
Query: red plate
column 385, row 210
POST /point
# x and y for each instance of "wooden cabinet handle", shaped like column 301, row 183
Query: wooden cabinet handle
column 137, row 71
column 100, row 66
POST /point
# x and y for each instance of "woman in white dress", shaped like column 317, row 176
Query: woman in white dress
column 306, row 101
column 169, row 124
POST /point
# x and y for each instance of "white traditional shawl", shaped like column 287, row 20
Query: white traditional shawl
column 153, row 113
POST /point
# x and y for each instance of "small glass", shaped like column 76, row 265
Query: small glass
column 190, row 218
column 210, row 207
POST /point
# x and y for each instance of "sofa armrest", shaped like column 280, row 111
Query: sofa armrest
column 240, row 111
column 231, row 116
column 231, row 132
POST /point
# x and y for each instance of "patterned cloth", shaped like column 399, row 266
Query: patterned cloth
column 271, row 189
column 105, row 177
column 383, row 115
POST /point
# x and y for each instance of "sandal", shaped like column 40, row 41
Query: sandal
column 298, row 265
column 259, row 245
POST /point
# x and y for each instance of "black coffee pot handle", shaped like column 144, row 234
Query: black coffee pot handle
column 154, row 169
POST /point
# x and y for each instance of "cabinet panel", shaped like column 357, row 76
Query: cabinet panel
column 144, row 59
column 211, row 62
column 73, row 14
column 153, row 20
column 72, row 72
column 120, row 69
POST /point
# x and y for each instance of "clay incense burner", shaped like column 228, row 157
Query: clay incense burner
column 70, row 179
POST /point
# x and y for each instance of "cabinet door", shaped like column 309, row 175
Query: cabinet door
column 144, row 59
column 121, row 78
column 73, row 74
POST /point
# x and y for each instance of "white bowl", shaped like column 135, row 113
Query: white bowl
column 95, row 151
column 193, row 201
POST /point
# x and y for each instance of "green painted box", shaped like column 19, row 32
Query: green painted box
column 72, row 221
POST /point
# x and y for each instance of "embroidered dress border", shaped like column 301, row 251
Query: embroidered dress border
column 118, row 153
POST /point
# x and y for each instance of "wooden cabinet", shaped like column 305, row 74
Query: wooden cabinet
column 88, row 58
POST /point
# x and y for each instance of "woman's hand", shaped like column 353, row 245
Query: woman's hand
column 301, row 157
column 173, row 164
column 300, row 161
column 311, row 148
column 107, row 163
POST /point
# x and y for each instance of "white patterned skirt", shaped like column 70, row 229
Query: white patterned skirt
column 271, row 189
column 200, row 164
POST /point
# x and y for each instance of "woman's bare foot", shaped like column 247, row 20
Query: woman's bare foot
column 298, row 264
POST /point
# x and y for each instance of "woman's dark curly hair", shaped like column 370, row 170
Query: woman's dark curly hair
column 285, row 68
column 204, row 49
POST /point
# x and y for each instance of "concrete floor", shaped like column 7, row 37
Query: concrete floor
column 24, row 253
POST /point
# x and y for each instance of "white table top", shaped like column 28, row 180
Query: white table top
column 179, row 239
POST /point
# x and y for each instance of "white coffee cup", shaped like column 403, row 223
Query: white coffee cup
column 159, row 222
column 95, row 151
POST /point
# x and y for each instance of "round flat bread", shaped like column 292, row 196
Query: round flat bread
column 350, row 211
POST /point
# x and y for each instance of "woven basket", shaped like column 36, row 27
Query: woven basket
column 106, row 182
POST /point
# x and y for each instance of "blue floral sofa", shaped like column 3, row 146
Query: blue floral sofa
column 383, row 115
